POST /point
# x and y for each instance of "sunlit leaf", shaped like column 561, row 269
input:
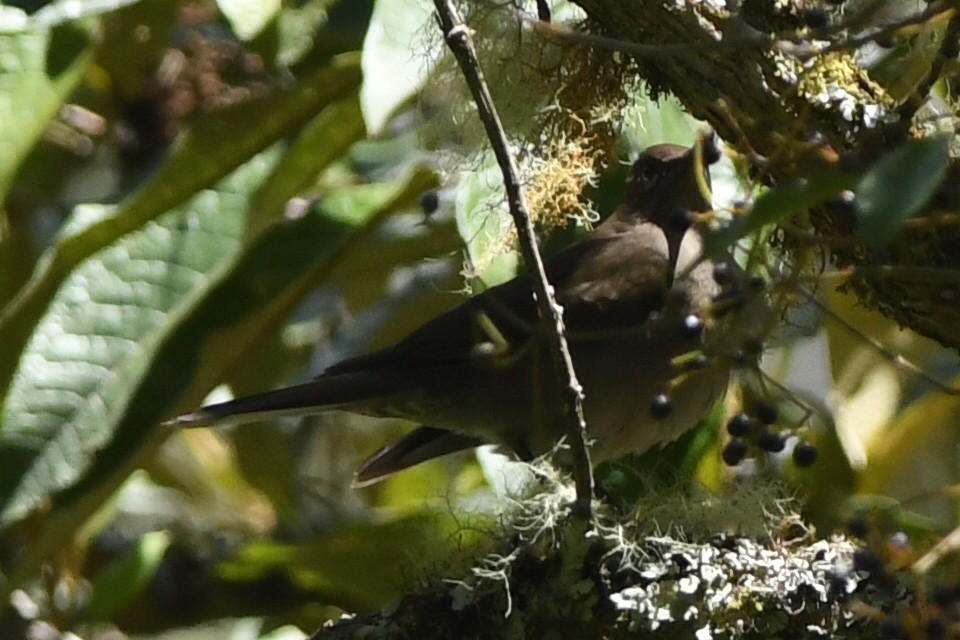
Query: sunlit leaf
column 901, row 70
column 298, row 27
column 38, row 69
column 204, row 154
column 96, row 340
column 908, row 435
column 73, row 446
column 248, row 17
column 484, row 224
column 51, row 14
column 650, row 121
column 394, row 66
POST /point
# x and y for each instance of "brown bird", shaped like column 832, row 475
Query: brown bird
column 636, row 295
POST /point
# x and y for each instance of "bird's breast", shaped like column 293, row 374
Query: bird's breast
column 620, row 383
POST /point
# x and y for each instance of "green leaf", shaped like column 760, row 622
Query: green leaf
column 394, row 65
column 74, row 383
column 359, row 566
column 61, row 394
column 52, row 14
column 38, row 69
column 249, row 17
column 905, row 437
column 205, row 153
column 650, row 121
column 898, row 186
column 321, row 142
column 124, row 578
column 890, row 514
column 299, row 25
column 776, row 204
column 901, row 70
column 132, row 352
column 483, row 221
column 779, row 202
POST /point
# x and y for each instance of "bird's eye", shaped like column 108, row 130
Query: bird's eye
column 646, row 172
column 651, row 173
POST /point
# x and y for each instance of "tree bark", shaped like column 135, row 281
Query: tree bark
column 797, row 114
column 610, row 586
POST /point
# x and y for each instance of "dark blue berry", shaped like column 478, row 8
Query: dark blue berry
column 661, row 406
column 734, row 452
column 804, row 454
column 765, row 412
column 739, row 425
column 771, row 442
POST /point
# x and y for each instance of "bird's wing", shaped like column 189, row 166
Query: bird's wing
column 606, row 281
column 623, row 280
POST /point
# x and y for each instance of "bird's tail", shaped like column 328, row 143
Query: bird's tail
column 420, row 445
column 324, row 393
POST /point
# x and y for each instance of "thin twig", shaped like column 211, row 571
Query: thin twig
column 749, row 38
column 903, row 272
column 640, row 50
column 457, row 36
column 947, row 545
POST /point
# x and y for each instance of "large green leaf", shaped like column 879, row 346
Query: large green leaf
column 73, row 446
column 210, row 149
column 74, row 382
column 133, row 311
column 778, row 203
column 898, row 186
column 241, row 199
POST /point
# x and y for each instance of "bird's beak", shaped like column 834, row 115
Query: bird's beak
column 688, row 193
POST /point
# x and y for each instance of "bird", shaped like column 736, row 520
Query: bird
column 636, row 295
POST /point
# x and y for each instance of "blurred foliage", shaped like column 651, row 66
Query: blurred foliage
column 208, row 198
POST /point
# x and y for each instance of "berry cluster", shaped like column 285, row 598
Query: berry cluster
column 882, row 560
column 756, row 428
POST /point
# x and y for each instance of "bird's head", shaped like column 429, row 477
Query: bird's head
column 667, row 184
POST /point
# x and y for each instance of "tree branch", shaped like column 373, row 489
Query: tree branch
column 457, row 36
column 657, row 587
column 794, row 110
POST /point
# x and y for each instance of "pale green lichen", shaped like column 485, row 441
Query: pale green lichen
column 834, row 82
